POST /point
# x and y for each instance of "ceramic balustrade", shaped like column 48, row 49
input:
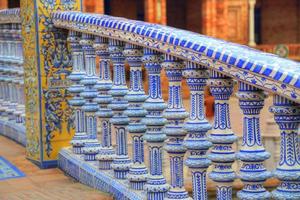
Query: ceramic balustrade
column 11, row 69
column 12, row 96
column 168, row 127
column 188, row 139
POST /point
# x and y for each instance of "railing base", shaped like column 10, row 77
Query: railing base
column 13, row 130
column 87, row 172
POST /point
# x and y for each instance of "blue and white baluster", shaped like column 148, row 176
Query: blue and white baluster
column 136, row 96
column 252, row 153
column 92, row 146
column 1, row 68
column 121, row 163
column 20, row 74
column 20, row 95
column 15, row 70
column 10, row 69
column 175, row 114
column 287, row 116
column 197, row 126
column 4, row 69
column 156, row 185
column 76, row 88
column 222, row 155
column 107, row 152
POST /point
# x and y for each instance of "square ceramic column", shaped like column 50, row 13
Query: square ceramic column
column 47, row 63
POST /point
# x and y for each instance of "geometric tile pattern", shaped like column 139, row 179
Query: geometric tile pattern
column 8, row 170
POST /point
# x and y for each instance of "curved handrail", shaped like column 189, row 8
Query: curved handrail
column 266, row 71
column 10, row 16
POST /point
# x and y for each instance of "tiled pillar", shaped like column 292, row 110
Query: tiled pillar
column 77, row 101
column 107, row 152
column 222, row 155
column 287, row 116
column 121, row 163
column 136, row 96
column 175, row 114
column 156, row 186
column 252, row 153
column 47, row 63
column 197, row 126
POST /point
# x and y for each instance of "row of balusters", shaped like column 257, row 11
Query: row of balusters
column 12, row 102
column 167, row 126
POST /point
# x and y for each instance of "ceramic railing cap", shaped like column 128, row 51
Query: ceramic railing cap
column 194, row 47
column 11, row 15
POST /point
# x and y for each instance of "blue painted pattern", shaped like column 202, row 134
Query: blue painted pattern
column 8, row 170
column 190, row 46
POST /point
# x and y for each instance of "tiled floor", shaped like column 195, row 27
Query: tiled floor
column 49, row 184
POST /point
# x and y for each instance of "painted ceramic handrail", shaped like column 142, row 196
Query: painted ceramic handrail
column 182, row 54
column 266, row 71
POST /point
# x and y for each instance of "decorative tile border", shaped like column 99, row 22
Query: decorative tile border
column 266, row 71
column 89, row 174
column 10, row 16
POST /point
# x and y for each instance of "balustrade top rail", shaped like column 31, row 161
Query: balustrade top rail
column 10, row 16
column 264, row 70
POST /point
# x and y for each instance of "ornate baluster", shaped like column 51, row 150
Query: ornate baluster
column 10, row 69
column 287, row 116
column 121, row 163
column 222, row 137
column 107, row 152
column 5, row 70
column 156, row 185
column 136, row 96
column 197, row 127
column 175, row 114
column 77, row 101
column 23, row 114
column 20, row 109
column 1, row 69
column 252, row 153
column 92, row 147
